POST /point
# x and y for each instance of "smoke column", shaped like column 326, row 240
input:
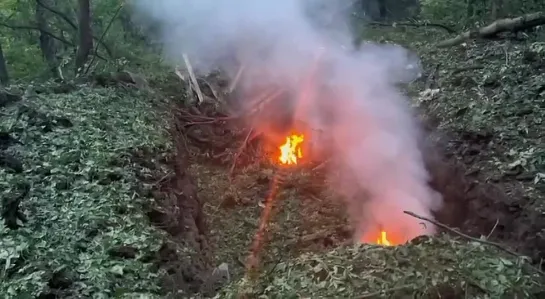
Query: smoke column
column 379, row 167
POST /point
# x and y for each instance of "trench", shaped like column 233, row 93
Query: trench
column 211, row 209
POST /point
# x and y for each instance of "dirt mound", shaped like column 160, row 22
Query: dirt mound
column 438, row 267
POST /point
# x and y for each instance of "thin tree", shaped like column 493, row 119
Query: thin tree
column 4, row 77
column 47, row 44
column 85, row 44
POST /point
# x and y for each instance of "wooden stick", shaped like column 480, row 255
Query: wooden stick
column 193, row 79
column 443, row 226
column 498, row 26
column 237, row 78
column 239, row 152
column 478, row 240
column 179, row 74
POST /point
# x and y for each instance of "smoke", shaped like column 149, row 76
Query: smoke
column 379, row 167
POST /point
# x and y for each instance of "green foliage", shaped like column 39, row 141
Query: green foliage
column 468, row 13
column 431, row 268
column 83, row 201
column 24, row 60
column 21, row 48
column 448, row 11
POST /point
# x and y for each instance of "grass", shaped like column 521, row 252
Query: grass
column 82, row 204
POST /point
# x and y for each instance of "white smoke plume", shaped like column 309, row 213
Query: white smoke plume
column 379, row 166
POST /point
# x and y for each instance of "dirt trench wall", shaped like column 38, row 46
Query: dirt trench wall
column 479, row 207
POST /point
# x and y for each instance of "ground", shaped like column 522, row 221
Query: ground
column 123, row 198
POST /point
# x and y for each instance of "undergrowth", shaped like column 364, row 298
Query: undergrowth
column 83, row 208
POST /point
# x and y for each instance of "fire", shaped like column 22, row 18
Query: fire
column 290, row 151
column 383, row 239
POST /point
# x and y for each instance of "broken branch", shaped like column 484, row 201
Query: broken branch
column 75, row 27
column 445, row 227
column 38, row 29
column 239, row 152
column 193, row 79
column 102, row 37
column 499, row 26
column 478, row 240
column 424, row 24
column 237, row 78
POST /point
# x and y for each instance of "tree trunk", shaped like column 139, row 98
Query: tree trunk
column 85, row 35
column 470, row 9
column 382, row 9
column 497, row 9
column 4, row 78
column 47, row 44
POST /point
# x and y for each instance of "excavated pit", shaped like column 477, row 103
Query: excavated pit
column 210, row 208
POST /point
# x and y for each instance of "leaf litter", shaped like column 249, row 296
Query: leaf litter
column 82, row 205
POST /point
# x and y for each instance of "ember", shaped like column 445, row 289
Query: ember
column 290, row 151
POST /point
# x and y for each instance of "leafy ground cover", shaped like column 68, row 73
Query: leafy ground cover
column 428, row 268
column 87, row 233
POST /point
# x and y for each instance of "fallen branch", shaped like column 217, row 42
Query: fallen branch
column 425, row 24
column 468, row 237
column 386, row 291
column 239, row 152
column 321, row 234
column 499, row 26
column 445, row 227
column 237, row 78
column 193, row 79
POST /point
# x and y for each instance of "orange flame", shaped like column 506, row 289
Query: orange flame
column 290, row 151
column 383, row 239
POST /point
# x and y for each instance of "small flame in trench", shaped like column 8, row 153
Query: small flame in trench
column 383, row 239
column 291, row 151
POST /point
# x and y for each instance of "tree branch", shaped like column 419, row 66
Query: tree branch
column 27, row 27
column 425, row 24
column 470, row 238
column 61, row 39
column 75, row 26
column 103, row 35
column 58, row 13
column 407, row 24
